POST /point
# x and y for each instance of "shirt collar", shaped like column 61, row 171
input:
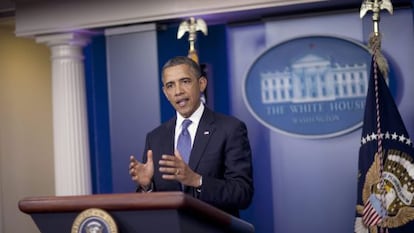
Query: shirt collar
column 195, row 117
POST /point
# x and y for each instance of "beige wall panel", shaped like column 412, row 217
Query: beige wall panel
column 26, row 143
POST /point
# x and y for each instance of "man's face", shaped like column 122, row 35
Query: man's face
column 183, row 89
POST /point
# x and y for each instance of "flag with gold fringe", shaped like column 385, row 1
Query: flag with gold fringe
column 386, row 168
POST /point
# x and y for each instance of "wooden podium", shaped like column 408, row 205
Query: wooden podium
column 172, row 212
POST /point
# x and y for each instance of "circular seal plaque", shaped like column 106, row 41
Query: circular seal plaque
column 94, row 220
column 310, row 87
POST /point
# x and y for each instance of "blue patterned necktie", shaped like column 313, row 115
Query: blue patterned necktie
column 184, row 141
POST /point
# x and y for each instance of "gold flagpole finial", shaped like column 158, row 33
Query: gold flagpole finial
column 374, row 43
column 192, row 26
column 375, row 6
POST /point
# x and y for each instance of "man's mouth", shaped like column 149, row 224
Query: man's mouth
column 182, row 102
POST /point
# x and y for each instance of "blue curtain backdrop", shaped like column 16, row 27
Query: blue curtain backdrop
column 98, row 115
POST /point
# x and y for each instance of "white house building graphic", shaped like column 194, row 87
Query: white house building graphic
column 313, row 78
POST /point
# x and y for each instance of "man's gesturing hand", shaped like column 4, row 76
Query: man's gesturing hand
column 142, row 173
column 173, row 167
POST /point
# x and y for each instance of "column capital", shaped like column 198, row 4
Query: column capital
column 70, row 38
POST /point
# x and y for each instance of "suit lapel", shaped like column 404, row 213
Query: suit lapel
column 170, row 133
column 205, row 130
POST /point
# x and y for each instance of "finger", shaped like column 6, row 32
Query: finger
column 169, row 177
column 167, row 163
column 149, row 156
column 133, row 161
column 132, row 164
column 169, row 170
column 132, row 171
column 168, row 157
column 178, row 155
column 132, row 158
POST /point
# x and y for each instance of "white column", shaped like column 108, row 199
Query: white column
column 70, row 127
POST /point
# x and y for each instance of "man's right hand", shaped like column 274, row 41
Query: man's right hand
column 142, row 173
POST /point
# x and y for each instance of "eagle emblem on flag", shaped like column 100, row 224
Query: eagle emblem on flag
column 397, row 199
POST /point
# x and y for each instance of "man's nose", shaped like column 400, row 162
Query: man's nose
column 178, row 89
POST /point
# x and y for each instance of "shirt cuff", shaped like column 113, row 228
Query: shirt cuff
column 148, row 189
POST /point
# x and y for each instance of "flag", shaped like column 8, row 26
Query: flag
column 386, row 166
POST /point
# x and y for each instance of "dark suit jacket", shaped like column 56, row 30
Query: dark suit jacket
column 221, row 154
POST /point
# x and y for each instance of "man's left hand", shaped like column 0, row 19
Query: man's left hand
column 174, row 168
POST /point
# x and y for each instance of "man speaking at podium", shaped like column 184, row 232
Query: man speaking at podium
column 202, row 153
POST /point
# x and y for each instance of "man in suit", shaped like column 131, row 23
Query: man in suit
column 219, row 168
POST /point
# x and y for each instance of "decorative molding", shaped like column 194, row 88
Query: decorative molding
column 49, row 17
column 130, row 29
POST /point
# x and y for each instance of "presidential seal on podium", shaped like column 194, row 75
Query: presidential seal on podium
column 94, row 220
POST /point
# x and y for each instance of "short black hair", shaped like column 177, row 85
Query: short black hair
column 182, row 60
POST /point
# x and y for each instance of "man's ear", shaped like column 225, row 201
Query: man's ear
column 165, row 92
column 202, row 81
